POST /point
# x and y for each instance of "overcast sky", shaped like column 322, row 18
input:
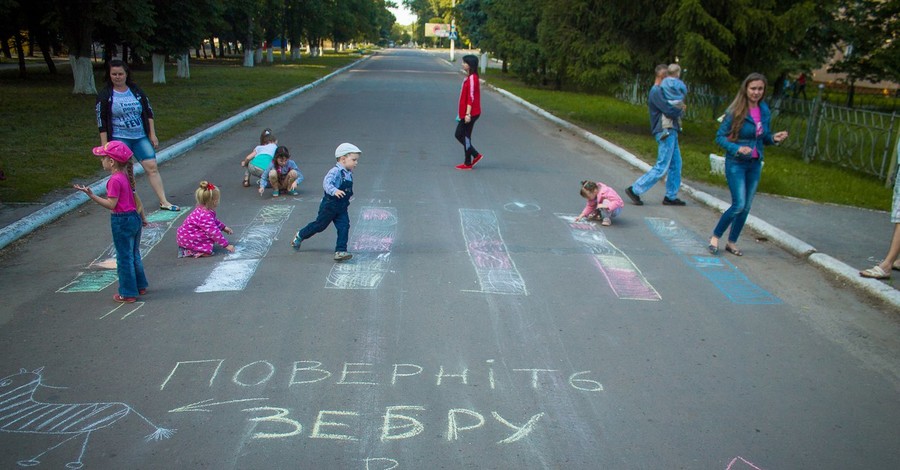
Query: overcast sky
column 403, row 15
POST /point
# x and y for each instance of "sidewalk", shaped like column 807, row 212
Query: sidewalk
column 840, row 240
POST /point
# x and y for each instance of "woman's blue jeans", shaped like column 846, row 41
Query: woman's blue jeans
column 743, row 179
column 126, row 235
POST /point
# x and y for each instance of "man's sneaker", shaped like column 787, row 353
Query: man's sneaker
column 673, row 202
column 342, row 256
column 463, row 166
column 634, row 197
column 477, row 159
column 295, row 243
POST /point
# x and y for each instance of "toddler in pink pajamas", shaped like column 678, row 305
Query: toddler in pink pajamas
column 202, row 230
column 603, row 202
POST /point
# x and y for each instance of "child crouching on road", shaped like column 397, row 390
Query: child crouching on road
column 603, row 202
column 283, row 174
column 125, row 221
column 338, row 186
column 201, row 230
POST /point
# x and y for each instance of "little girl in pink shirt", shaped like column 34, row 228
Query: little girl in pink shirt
column 603, row 202
column 202, row 230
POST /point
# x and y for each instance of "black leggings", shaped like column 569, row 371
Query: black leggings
column 464, row 136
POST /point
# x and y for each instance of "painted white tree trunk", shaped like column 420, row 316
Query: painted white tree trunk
column 248, row 58
column 159, row 67
column 295, row 53
column 184, row 66
column 83, row 73
column 284, row 53
column 270, row 56
column 258, row 56
column 484, row 62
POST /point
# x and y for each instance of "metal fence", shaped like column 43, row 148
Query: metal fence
column 861, row 140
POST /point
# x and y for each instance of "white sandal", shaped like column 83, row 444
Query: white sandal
column 875, row 273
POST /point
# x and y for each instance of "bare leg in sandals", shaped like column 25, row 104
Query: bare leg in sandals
column 883, row 269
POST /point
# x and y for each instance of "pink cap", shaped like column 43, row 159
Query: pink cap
column 114, row 149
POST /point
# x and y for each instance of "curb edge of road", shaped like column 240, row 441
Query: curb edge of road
column 793, row 245
column 57, row 209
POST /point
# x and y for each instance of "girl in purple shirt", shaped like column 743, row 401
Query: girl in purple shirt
column 202, row 230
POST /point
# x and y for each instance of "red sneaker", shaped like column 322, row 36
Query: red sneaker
column 124, row 300
column 477, row 159
column 463, row 166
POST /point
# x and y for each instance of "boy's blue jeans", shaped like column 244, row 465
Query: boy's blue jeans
column 743, row 179
column 668, row 159
column 330, row 211
column 126, row 235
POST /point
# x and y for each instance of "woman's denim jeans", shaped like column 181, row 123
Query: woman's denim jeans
column 743, row 179
column 126, row 235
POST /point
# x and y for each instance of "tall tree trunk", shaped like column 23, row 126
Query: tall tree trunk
column 850, row 92
column 20, row 52
column 44, row 42
column 4, row 45
column 184, row 66
column 212, row 47
column 159, row 67
column 83, row 72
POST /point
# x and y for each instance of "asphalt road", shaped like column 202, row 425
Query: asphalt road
column 476, row 326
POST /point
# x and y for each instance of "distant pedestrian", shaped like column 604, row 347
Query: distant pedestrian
column 800, row 86
column 743, row 133
column 468, row 111
column 202, row 229
column 124, row 114
column 259, row 159
column 675, row 92
column 338, row 186
column 603, row 202
column 890, row 261
column 125, row 222
column 283, row 174
column 668, row 154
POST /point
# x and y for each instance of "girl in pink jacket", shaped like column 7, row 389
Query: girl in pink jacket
column 202, row 230
column 603, row 202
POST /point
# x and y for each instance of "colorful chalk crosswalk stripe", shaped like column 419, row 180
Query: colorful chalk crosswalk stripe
column 623, row 277
column 496, row 271
column 724, row 275
column 234, row 272
column 102, row 271
column 370, row 243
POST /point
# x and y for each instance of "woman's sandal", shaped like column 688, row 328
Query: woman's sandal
column 875, row 273
column 734, row 250
column 172, row 208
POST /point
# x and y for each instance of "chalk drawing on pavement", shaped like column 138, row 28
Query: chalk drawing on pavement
column 21, row 413
column 102, row 271
column 724, row 275
column 521, row 207
column 234, row 272
column 370, row 243
column 130, row 307
column 739, row 463
column 496, row 271
column 624, row 278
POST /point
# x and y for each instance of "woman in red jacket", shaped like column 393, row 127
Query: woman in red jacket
column 468, row 112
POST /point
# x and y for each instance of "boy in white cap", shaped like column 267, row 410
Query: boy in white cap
column 338, row 186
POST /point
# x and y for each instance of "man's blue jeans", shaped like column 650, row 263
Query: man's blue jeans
column 126, row 235
column 743, row 179
column 668, row 159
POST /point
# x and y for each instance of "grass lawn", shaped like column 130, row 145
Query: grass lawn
column 628, row 126
column 47, row 132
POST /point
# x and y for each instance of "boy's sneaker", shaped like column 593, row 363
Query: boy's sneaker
column 463, row 166
column 342, row 256
column 295, row 243
column 276, row 193
column 634, row 197
column 606, row 222
column 477, row 159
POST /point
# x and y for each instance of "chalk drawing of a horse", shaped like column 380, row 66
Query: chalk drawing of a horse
column 20, row 413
